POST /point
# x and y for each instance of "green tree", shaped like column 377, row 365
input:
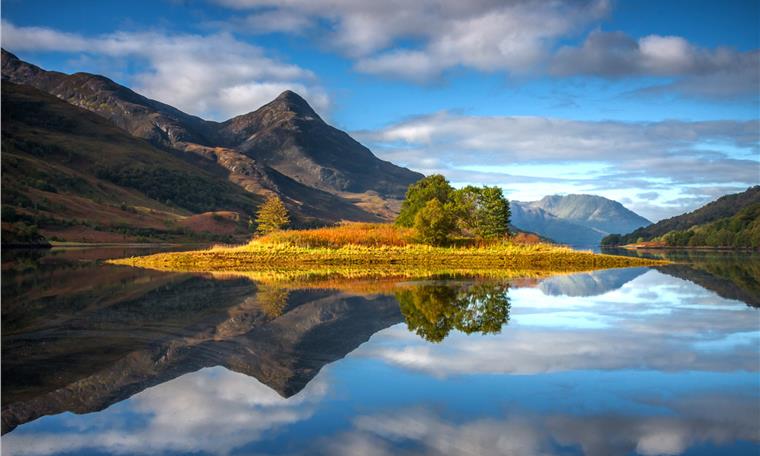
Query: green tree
column 417, row 196
column 434, row 223
column 272, row 216
column 492, row 218
column 465, row 203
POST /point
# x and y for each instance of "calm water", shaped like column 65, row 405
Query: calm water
column 101, row 359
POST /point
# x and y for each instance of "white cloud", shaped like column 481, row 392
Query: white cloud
column 486, row 35
column 420, row 40
column 721, row 72
column 213, row 75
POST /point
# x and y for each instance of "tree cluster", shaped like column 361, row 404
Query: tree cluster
column 437, row 211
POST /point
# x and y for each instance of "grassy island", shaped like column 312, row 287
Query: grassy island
column 356, row 247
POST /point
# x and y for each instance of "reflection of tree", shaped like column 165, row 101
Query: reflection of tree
column 272, row 300
column 433, row 310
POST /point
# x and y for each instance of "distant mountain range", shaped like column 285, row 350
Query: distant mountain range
column 578, row 220
column 282, row 148
column 724, row 207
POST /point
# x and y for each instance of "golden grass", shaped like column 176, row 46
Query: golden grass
column 375, row 250
column 349, row 233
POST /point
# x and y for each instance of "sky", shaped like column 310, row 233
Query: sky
column 655, row 104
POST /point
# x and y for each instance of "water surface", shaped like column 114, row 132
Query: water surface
column 100, row 359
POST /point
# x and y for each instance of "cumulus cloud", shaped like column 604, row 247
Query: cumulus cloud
column 212, row 75
column 420, row 40
column 720, row 73
column 639, row 156
column 485, row 35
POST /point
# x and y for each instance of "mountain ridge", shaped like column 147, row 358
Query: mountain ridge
column 320, row 172
column 575, row 219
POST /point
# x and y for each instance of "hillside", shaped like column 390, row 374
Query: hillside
column 738, row 231
column 73, row 175
column 580, row 220
column 290, row 137
column 282, row 148
column 722, row 208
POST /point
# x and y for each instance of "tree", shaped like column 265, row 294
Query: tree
column 417, row 196
column 465, row 205
column 492, row 217
column 272, row 216
column 434, row 223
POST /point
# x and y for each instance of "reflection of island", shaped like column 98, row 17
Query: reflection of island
column 589, row 284
column 731, row 275
column 79, row 336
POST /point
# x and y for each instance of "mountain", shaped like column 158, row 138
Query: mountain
column 283, row 148
column 75, row 176
column 580, row 220
column 142, row 117
column 536, row 220
column 722, row 208
column 290, row 137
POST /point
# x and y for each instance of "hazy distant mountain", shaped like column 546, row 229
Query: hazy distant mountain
column 723, row 207
column 283, row 148
column 575, row 219
column 536, row 220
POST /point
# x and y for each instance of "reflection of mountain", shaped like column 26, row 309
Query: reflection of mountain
column 731, row 275
column 589, row 284
column 82, row 348
column 736, row 281
column 79, row 337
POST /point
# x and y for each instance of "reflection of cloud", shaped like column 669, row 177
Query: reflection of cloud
column 665, row 328
column 436, row 436
column 213, row 410
column 423, row 432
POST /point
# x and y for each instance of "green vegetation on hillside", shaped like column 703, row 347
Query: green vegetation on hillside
column 722, row 208
column 739, row 231
column 71, row 175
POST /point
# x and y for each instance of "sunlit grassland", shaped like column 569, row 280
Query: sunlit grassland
column 377, row 249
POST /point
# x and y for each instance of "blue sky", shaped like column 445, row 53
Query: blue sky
column 651, row 103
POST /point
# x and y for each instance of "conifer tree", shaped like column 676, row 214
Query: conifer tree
column 493, row 214
column 272, row 216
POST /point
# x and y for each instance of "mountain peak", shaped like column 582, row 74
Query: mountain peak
column 291, row 101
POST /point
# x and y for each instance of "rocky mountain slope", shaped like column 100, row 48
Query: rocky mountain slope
column 580, row 220
column 723, row 207
column 283, row 148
